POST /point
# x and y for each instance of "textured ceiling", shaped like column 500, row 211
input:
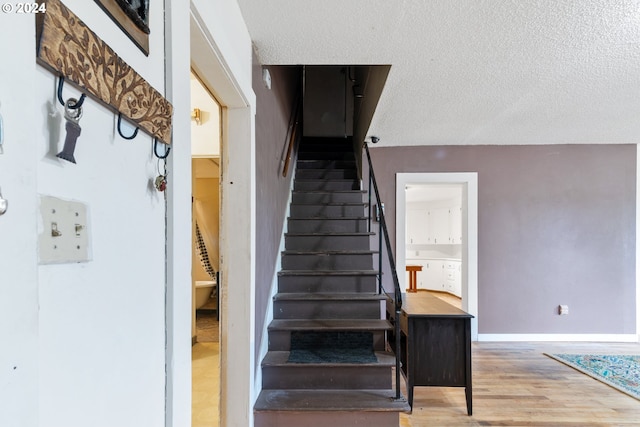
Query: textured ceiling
column 475, row 71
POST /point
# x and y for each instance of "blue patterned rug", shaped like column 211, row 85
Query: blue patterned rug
column 619, row 371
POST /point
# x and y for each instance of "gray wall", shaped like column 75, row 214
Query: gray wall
column 273, row 111
column 556, row 225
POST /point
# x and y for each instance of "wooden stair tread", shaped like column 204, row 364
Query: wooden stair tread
column 327, row 218
column 342, row 169
column 330, row 233
column 329, row 252
column 327, row 179
column 329, row 191
column 330, row 204
column 280, row 358
column 328, row 273
column 329, row 325
column 330, row 400
column 305, row 296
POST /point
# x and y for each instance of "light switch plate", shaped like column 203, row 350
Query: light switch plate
column 64, row 231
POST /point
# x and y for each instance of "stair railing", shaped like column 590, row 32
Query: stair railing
column 384, row 233
column 293, row 132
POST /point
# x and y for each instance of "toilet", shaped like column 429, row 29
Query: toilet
column 204, row 290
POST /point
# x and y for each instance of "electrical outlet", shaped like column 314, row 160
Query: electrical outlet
column 64, row 232
column 563, row 309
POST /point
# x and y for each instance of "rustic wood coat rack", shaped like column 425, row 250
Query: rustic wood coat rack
column 70, row 49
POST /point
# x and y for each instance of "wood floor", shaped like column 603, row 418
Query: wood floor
column 515, row 384
column 205, row 377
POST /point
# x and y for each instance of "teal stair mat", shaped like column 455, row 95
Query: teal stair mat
column 332, row 347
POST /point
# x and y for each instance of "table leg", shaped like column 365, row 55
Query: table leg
column 468, row 388
column 413, row 278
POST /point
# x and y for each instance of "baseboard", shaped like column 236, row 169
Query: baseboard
column 438, row 292
column 561, row 337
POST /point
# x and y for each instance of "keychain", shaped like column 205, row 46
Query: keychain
column 72, row 115
column 161, row 183
column 161, row 180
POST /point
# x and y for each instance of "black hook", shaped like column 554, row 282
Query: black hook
column 133, row 135
column 74, row 106
column 155, row 149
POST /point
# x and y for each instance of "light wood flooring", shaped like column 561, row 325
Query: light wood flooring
column 205, row 377
column 514, row 384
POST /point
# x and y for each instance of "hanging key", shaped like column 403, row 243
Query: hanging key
column 72, row 116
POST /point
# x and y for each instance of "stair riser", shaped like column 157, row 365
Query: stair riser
column 327, row 225
column 329, row 211
column 325, row 164
column 328, row 242
column 327, row 284
column 326, row 310
column 323, row 377
column 325, row 156
column 326, row 185
column 326, row 418
column 280, row 340
column 326, row 174
column 327, row 262
column 345, row 146
column 330, row 197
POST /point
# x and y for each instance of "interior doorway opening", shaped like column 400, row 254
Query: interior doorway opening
column 442, row 211
column 206, row 115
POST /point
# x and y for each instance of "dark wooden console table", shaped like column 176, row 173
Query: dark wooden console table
column 435, row 344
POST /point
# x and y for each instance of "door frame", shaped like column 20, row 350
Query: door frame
column 469, row 183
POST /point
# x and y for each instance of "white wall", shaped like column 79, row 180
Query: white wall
column 85, row 343
column 102, row 326
column 88, row 339
column 18, row 272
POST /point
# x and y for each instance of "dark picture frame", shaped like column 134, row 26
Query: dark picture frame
column 132, row 20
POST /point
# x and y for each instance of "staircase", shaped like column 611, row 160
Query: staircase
column 326, row 364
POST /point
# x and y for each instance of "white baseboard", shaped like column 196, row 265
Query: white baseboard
column 561, row 337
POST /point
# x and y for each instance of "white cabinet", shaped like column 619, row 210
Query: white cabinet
column 445, row 225
column 453, row 278
column 417, row 226
column 438, row 275
column 433, row 277
column 439, row 226
column 438, row 223
column 456, row 224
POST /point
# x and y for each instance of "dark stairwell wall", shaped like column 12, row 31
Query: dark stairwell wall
column 556, row 225
column 273, row 111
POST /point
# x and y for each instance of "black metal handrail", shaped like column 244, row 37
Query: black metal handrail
column 397, row 300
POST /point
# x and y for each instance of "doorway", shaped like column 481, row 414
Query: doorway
column 206, row 114
column 453, row 194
